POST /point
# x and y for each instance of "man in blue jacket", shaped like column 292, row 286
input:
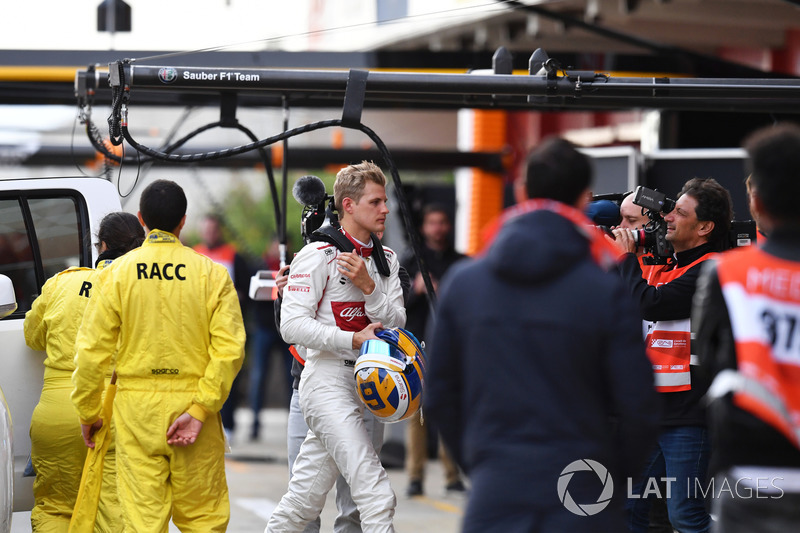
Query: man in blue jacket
column 538, row 377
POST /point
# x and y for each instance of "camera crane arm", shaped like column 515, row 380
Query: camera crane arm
column 538, row 90
column 543, row 88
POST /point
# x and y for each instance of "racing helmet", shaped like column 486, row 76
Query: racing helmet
column 390, row 374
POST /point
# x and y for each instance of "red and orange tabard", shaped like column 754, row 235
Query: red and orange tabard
column 223, row 254
column 762, row 293
column 669, row 341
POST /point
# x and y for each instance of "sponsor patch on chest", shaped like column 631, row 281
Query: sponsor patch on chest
column 350, row 316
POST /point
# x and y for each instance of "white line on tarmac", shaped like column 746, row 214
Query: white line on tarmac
column 261, row 507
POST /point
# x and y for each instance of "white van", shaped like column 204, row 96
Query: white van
column 46, row 225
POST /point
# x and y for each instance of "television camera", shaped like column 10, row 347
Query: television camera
column 317, row 214
column 318, row 208
column 652, row 238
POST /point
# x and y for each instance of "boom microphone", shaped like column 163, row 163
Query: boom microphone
column 309, row 190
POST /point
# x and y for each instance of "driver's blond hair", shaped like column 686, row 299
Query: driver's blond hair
column 351, row 181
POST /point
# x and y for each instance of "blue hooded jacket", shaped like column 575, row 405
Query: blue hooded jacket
column 537, row 360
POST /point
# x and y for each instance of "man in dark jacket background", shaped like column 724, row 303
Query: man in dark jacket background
column 439, row 255
column 538, row 378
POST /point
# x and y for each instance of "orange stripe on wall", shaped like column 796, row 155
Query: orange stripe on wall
column 489, row 132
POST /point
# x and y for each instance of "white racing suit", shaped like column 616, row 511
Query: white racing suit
column 348, row 520
column 321, row 310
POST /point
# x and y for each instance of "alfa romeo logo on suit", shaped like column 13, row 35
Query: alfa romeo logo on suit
column 585, row 509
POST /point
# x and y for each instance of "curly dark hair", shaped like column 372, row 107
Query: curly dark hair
column 713, row 204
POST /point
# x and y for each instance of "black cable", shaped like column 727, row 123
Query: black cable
column 93, row 133
column 228, row 152
column 72, row 147
column 97, row 142
column 285, row 179
column 119, row 177
column 388, row 160
column 119, row 96
column 408, row 222
column 189, row 136
column 165, row 155
column 148, row 163
column 264, row 156
column 271, row 179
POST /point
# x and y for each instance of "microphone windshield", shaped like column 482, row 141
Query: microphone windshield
column 603, row 212
column 309, row 190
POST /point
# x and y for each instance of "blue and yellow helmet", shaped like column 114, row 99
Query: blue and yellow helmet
column 390, row 374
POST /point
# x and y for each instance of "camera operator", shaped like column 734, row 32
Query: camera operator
column 632, row 215
column 696, row 227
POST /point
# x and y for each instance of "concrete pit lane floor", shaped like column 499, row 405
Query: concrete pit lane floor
column 258, row 476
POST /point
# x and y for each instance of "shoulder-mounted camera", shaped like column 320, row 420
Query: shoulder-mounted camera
column 653, row 236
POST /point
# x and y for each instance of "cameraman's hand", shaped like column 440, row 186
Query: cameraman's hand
column 623, row 240
column 282, row 279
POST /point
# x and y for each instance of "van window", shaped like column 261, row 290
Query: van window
column 41, row 234
column 56, row 223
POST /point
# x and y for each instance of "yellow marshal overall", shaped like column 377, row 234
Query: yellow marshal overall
column 176, row 317
column 57, row 449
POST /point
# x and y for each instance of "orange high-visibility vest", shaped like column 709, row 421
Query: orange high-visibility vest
column 669, row 341
column 762, row 293
column 223, row 254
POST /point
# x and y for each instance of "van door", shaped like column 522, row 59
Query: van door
column 46, row 226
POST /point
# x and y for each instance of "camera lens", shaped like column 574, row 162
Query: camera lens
column 644, row 238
